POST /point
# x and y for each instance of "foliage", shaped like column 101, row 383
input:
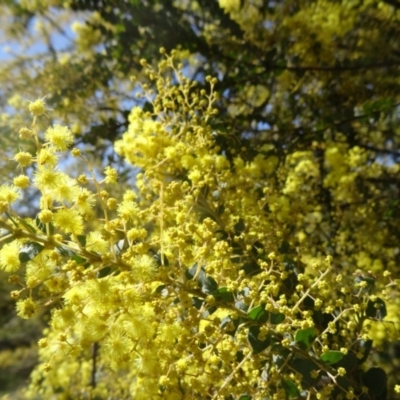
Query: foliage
column 257, row 256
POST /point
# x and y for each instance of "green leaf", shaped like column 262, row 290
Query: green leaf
column 197, row 302
column 210, row 285
column 376, row 381
column 241, row 306
column 276, row 319
column 239, row 227
column 223, row 294
column 290, row 388
column 256, row 344
column 105, row 272
column 279, row 354
column 304, row 337
column 27, row 226
column 365, row 346
column 251, row 268
column 348, row 362
column 305, row 367
column 29, row 251
column 376, row 309
column 191, row 272
column 284, row 247
column 82, row 240
column 245, row 397
column 332, row 357
column 157, row 258
column 343, row 385
column 66, row 252
column 227, row 320
column 160, row 289
column 258, row 314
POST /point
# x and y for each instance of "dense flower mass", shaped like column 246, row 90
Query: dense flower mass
column 194, row 284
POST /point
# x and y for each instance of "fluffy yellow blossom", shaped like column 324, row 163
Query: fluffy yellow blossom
column 21, row 181
column 9, row 193
column 48, row 157
column 144, row 267
column 48, row 179
column 23, row 158
column 45, row 216
column 25, row 133
column 37, row 107
column 95, row 242
column 60, row 137
column 111, row 175
column 69, row 221
column 9, row 257
column 27, row 308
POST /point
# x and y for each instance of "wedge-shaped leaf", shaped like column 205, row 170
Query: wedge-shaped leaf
column 233, row 323
column 376, row 381
column 197, row 302
column 82, row 240
column 160, row 289
column 66, row 252
column 256, row 344
column 279, row 354
column 209, row 285
column 223, row 294
column 332, row 357
column 290, row 388
column 304, row 337
column 27, row 226
column 305, row 368
column 42, row 226
column 241, row 305
column 258, row 314
column 348, row 362
column 251, row 268
column 161, row 259
column 239, row 227
column 376, row 309
column 365, row 346
column 104, row 271
column 197, row 271
column 29, row 251
column 277, row 318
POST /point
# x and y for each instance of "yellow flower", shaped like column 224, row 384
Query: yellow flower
column 45, row 216
column 47, row 157
column 69, row 221
column 37, row 107
column 9, row 257
column 8, row 193
column 21, row 181
column 94, row 242
column 23, row 158
column 111, row 175
column 26, row 308
column 25, row 133
column 144, row 267
column 48, row 178
column 59, row 136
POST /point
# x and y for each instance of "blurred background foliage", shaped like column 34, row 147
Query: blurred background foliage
column 312, row 86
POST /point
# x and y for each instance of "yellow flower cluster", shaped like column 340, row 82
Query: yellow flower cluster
column 185, row 287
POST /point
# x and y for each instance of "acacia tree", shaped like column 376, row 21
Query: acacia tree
column 261, row 234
